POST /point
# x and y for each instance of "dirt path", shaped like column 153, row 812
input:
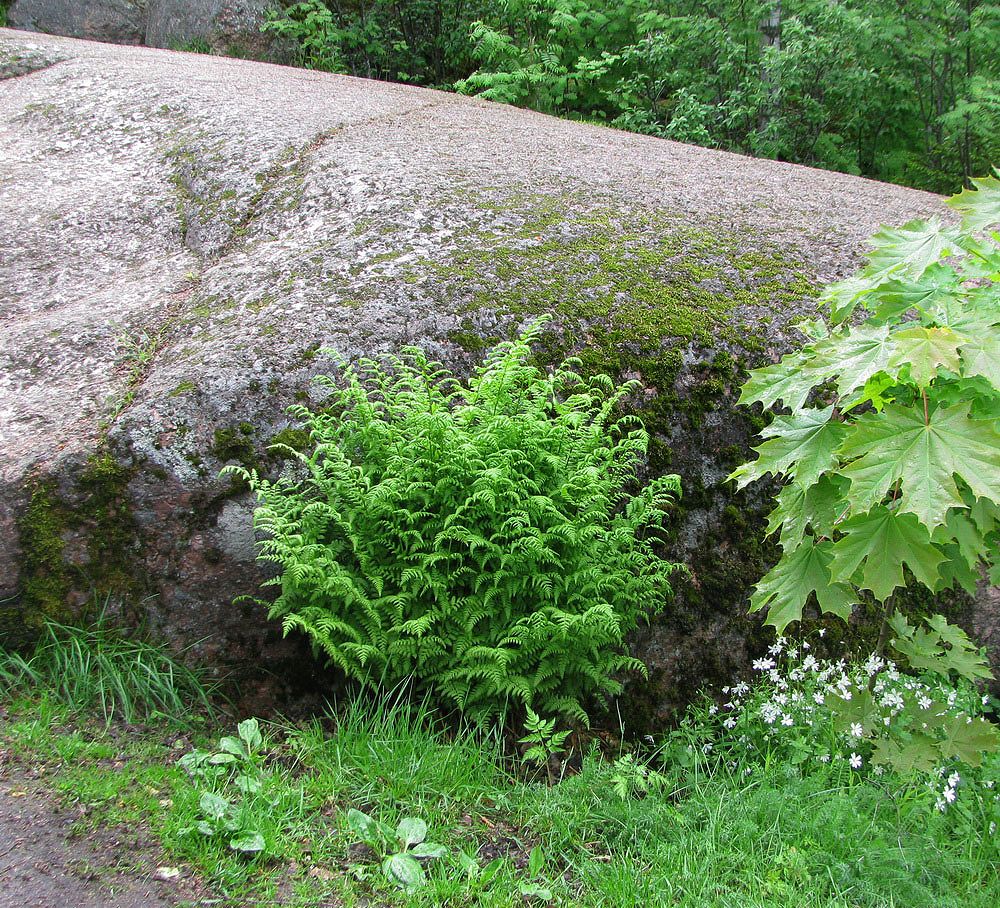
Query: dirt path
column 46, row 863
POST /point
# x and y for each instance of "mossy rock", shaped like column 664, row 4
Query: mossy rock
column 242, row 241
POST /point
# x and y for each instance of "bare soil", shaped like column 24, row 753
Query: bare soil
column 49, row 860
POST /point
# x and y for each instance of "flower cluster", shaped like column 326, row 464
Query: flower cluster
column 867, row 716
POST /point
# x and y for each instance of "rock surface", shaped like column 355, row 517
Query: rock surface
column 230, row 27
column 227, row 26
column 181, row 234
column 115, row 21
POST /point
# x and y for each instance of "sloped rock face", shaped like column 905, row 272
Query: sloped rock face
column 230, row 27
column 227, row 26
column 116, row 21
column 181, row 236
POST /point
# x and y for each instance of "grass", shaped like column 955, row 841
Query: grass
column 95, row 668
column 753, row 834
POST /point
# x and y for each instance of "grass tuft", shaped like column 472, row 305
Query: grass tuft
column 96, row 668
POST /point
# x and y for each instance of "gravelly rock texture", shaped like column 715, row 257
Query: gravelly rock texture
column 181, row 234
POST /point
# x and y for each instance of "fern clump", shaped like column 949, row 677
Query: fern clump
column 478, row 539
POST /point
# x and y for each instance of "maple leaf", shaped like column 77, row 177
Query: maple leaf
column 918, row 755
column 894, row 298
column 912, row 248
column 796, row 508
column 786, row 588
column 844, row 296
column 861, row 709
column 964, row 657
column 897, row 444
column 854, row 357
column 979, row 350
column 970, row 739
column 800, row 446
column 980, row 207
column 966, row 543
column 877, row 545
column 925, row 350
column 873, row 392
column 789, row 381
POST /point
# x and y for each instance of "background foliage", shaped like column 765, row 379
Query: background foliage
column 905, row 92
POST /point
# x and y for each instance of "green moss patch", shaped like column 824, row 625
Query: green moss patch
column 636, row 278
column 74, row 540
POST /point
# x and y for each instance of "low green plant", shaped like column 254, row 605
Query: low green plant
column 633, row 778
column 221, row 817
column 237, row 759
column 96, row 667
column 401, row 851
column 891, row 450
column 542, row 741
column 236, row 763
column 733, row 825
column 482, row 540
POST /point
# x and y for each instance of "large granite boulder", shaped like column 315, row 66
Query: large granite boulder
column 228, row 27
column 182, row 235
column 115, row 21
column 231, row 27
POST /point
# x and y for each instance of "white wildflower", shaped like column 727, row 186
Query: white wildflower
column 769, row 712
column 873, row 665
column 856, row 761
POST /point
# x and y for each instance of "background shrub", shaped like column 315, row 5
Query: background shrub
column 481, row 540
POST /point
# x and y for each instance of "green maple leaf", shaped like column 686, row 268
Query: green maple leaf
column 894, row 298
column 877, row 545
column 985, row 514
column 797, row 507
column 873, row 392
column 910, row 249
column 786, row 588
column 844, row 296
column 861, row 709
column 964, row 657
column 960, row 530
column 980, row 207
column 969, row 739
column 800, row 446
column 898, row 445
column 854, row 357
column 789, row 381
column 925, row 350
column 917, row 755
column 922, row 649
column 979, row 350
